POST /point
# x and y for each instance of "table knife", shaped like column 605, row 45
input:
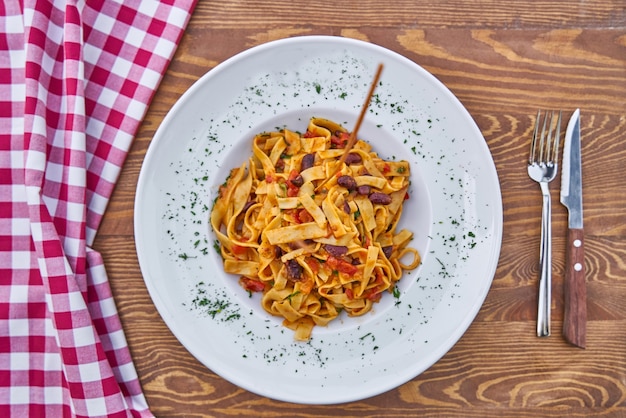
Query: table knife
column 575, row 290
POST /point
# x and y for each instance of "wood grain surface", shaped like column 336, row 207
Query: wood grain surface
column 503, row 60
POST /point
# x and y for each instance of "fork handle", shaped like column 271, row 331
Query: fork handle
column 545, row 259
column 575, row 290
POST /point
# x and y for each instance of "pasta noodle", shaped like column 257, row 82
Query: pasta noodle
column 314, row 253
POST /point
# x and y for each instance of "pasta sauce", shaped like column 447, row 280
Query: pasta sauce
column 317, row 236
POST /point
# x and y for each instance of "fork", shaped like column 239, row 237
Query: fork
column 542, row 168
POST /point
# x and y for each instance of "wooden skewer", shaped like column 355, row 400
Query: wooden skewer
column 353, row 137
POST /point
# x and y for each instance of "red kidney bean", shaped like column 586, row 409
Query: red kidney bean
column 298, row 181
column 307, row 162
column 387, row 251
column 353, row 158
column 347, row 181
column 294, row 270
column 380, row 198
column 364, row 190
column 336, row 250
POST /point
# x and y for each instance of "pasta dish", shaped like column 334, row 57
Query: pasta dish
column 316, row 233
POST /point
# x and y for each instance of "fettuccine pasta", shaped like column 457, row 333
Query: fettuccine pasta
column 314, row 237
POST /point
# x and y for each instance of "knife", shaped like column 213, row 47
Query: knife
column 575, row 290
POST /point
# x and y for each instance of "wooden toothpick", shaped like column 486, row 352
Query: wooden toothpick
column 353, row 135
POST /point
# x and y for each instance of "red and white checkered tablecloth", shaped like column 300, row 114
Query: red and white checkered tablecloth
column 76, row 78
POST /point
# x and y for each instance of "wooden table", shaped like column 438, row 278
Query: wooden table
column 503, row 60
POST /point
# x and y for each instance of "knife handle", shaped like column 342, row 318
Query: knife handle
column 575, row 290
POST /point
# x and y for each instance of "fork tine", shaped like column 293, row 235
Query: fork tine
column 557, row 135
column 544, row 142
column 533, row 143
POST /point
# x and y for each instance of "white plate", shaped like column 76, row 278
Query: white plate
column 455, row 211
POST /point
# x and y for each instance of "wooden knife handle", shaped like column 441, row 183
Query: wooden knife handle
column 575, row 290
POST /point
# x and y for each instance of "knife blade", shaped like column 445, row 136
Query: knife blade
column 575, row 288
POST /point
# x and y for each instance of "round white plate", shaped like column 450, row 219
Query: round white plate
column 455, row 212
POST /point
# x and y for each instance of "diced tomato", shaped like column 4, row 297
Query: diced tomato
column 251, row 285
column 373, row 294
column 304, row 216
column 349, row 294
column 238, row 249
column 291, row 215
column 386, row 168
column 292, row 189
column 314, row 265
column 407, row 196
column 309, row 134
column 340, row 140
column 341, row 266
column 292, row 175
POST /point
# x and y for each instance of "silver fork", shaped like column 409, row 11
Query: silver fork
column 542, row 167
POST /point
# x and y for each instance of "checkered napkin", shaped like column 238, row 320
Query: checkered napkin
column 76, row 78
